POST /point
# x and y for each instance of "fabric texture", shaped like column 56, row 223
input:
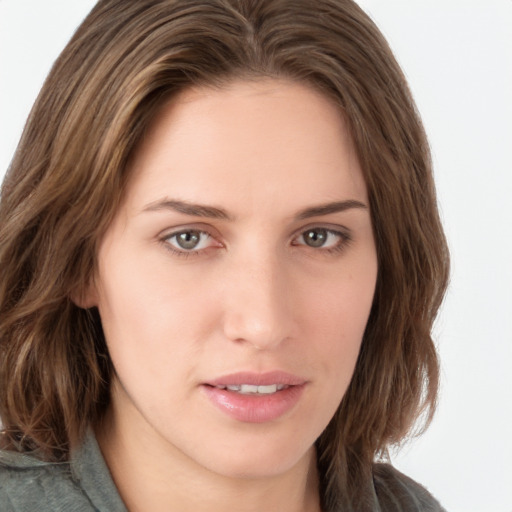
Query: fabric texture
column 84, row 484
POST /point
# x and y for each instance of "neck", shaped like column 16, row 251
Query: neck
column 153, row 476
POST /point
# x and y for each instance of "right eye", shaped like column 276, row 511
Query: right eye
column 190, row 240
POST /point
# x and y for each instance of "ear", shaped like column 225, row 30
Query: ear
column 85, row 296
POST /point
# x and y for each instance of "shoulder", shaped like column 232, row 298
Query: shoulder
column 28, row 484
column 397, row 492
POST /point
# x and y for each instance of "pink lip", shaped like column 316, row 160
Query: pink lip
column 255, row 408
column 258, row 379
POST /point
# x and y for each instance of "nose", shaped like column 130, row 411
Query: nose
column 258, row 308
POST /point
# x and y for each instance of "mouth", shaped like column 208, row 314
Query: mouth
column 247, row 383
column 253, row 397
column 251, row 389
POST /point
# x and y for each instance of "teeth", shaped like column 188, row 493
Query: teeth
column 250, row 389
column 263, row 390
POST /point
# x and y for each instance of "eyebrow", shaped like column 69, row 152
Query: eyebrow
column 326, row 209
column 195, row 210
column 213, row 212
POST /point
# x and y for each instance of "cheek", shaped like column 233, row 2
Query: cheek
column 341, row 308
column 140, row 308
column 155, row 318
column 337, row 318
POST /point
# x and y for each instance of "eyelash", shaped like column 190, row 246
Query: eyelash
column 344, row 240
column 183, row 253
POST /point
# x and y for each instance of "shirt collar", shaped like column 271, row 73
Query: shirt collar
column 90, row 471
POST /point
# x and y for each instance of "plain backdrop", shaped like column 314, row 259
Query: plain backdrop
column 457, row 55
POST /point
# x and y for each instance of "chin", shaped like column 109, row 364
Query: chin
column 258, row 458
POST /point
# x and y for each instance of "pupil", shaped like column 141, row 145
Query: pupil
column 188, row 240
column 316, row 237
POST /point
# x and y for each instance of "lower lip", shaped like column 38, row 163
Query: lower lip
column 254, row 408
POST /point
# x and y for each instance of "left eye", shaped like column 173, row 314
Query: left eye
column 320, row 238
column 190, row 240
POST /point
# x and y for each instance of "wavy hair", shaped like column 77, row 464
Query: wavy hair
column 67, row 177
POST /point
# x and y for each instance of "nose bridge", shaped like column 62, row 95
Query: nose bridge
column 257, row 307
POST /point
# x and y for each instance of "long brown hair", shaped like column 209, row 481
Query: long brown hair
column 68, row 174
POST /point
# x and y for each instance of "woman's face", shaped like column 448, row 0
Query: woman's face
column 235, row 282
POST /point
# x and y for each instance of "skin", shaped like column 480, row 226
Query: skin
column 253, row 296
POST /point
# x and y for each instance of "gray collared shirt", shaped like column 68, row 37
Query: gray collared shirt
column 84, row 484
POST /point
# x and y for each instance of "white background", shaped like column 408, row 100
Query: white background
column 457, row 55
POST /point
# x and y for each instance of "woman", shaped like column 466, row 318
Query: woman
column 221, row 262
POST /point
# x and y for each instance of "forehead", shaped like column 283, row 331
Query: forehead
column 248, row 143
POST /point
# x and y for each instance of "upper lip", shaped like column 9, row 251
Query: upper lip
column 258, row 379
